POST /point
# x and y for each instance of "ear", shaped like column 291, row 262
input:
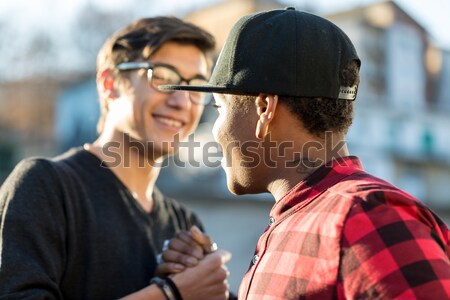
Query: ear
column 266, row 106
column 105, row 85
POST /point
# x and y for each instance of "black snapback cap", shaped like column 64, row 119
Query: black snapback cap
column 282, row 52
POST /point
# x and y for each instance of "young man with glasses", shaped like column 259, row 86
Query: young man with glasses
column 284, row 85
column 89, row 223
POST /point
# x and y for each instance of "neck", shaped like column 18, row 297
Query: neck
column 135, row 169
column 311, row 155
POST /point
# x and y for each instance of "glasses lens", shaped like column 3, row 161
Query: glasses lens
column 197, row 97
column 162, row 76
column 198, row 81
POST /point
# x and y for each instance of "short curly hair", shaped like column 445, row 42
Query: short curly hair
column 319, row 115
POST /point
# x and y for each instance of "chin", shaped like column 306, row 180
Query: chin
column 235, row 191
column 237, row 188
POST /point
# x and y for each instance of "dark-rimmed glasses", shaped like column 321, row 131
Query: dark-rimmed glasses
column 162, row 74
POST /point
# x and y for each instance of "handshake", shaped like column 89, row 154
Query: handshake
column 191, row 267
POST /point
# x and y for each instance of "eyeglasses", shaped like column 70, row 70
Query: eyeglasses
column 162, row 74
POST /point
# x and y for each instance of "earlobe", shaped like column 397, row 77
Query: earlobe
column 266, row 107
column 262, row 128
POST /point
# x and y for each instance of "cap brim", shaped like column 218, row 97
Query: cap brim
column 203, row 89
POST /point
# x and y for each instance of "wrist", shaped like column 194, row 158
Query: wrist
column 167, row 287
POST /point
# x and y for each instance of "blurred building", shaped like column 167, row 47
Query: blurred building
column 401, row 127
column 400, row 131
column 26, row 119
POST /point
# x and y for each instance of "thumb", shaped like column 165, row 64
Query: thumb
column 200, row 237
column 225, row 255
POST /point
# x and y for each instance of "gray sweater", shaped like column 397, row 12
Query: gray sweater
column 71, row 230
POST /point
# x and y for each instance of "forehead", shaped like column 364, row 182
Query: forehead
column 235, row 100
column 229, row 98
column 186, row 58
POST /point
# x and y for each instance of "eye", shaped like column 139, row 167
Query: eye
column 216, row 106
column 164, row 75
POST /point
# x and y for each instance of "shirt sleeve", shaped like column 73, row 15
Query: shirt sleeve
column 32, row 233
column 393, row 248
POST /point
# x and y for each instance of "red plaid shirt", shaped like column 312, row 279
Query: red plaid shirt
column 344, row 234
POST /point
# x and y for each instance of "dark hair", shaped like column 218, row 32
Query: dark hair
column 319, row 115
column 140, row 39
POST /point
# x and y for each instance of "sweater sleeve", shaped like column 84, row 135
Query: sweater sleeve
column 394, row 248
column 32, row 233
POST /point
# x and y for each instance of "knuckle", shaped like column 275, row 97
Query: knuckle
column 223, row 275
column 170, row 243
column 172, row 256
column 219, row 275
column 185, row 236
column 216, row 261
column 165, row 256
column 224, row 287
column 175, row 244
column 181, row 233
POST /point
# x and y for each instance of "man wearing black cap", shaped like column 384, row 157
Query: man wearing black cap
column 284, row 87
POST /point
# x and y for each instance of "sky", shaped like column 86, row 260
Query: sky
column 432, row 14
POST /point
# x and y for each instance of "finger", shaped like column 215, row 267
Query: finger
column 216, row 260
column 200, row 237
column 224, row 255
column 188, row 248
column 219, row 275
column 203, row 239
column 167, row 268
column 186, row 237
column 179, row 258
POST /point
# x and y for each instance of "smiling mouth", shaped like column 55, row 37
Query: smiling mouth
column 169, row 121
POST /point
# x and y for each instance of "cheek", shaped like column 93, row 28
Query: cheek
column 194, row 118
column 218, row 128
column 196, row 114
column 120, row 111
column 215, row 130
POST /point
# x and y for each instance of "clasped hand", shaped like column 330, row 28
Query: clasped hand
column 198, row 270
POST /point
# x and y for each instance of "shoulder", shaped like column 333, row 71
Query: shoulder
column 37, row 175
column 35, row 169
column 372, row 203
column 372, row 195
column 385, row 224
column 32, row 187
column 40, row 169
column 370, row 192
column 382, row 210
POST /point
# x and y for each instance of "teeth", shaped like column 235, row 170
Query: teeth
column 170, row 122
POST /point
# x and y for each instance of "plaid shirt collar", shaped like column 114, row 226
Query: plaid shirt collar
column 315, row 184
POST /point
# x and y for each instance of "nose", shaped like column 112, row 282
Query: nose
column 179, row 100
